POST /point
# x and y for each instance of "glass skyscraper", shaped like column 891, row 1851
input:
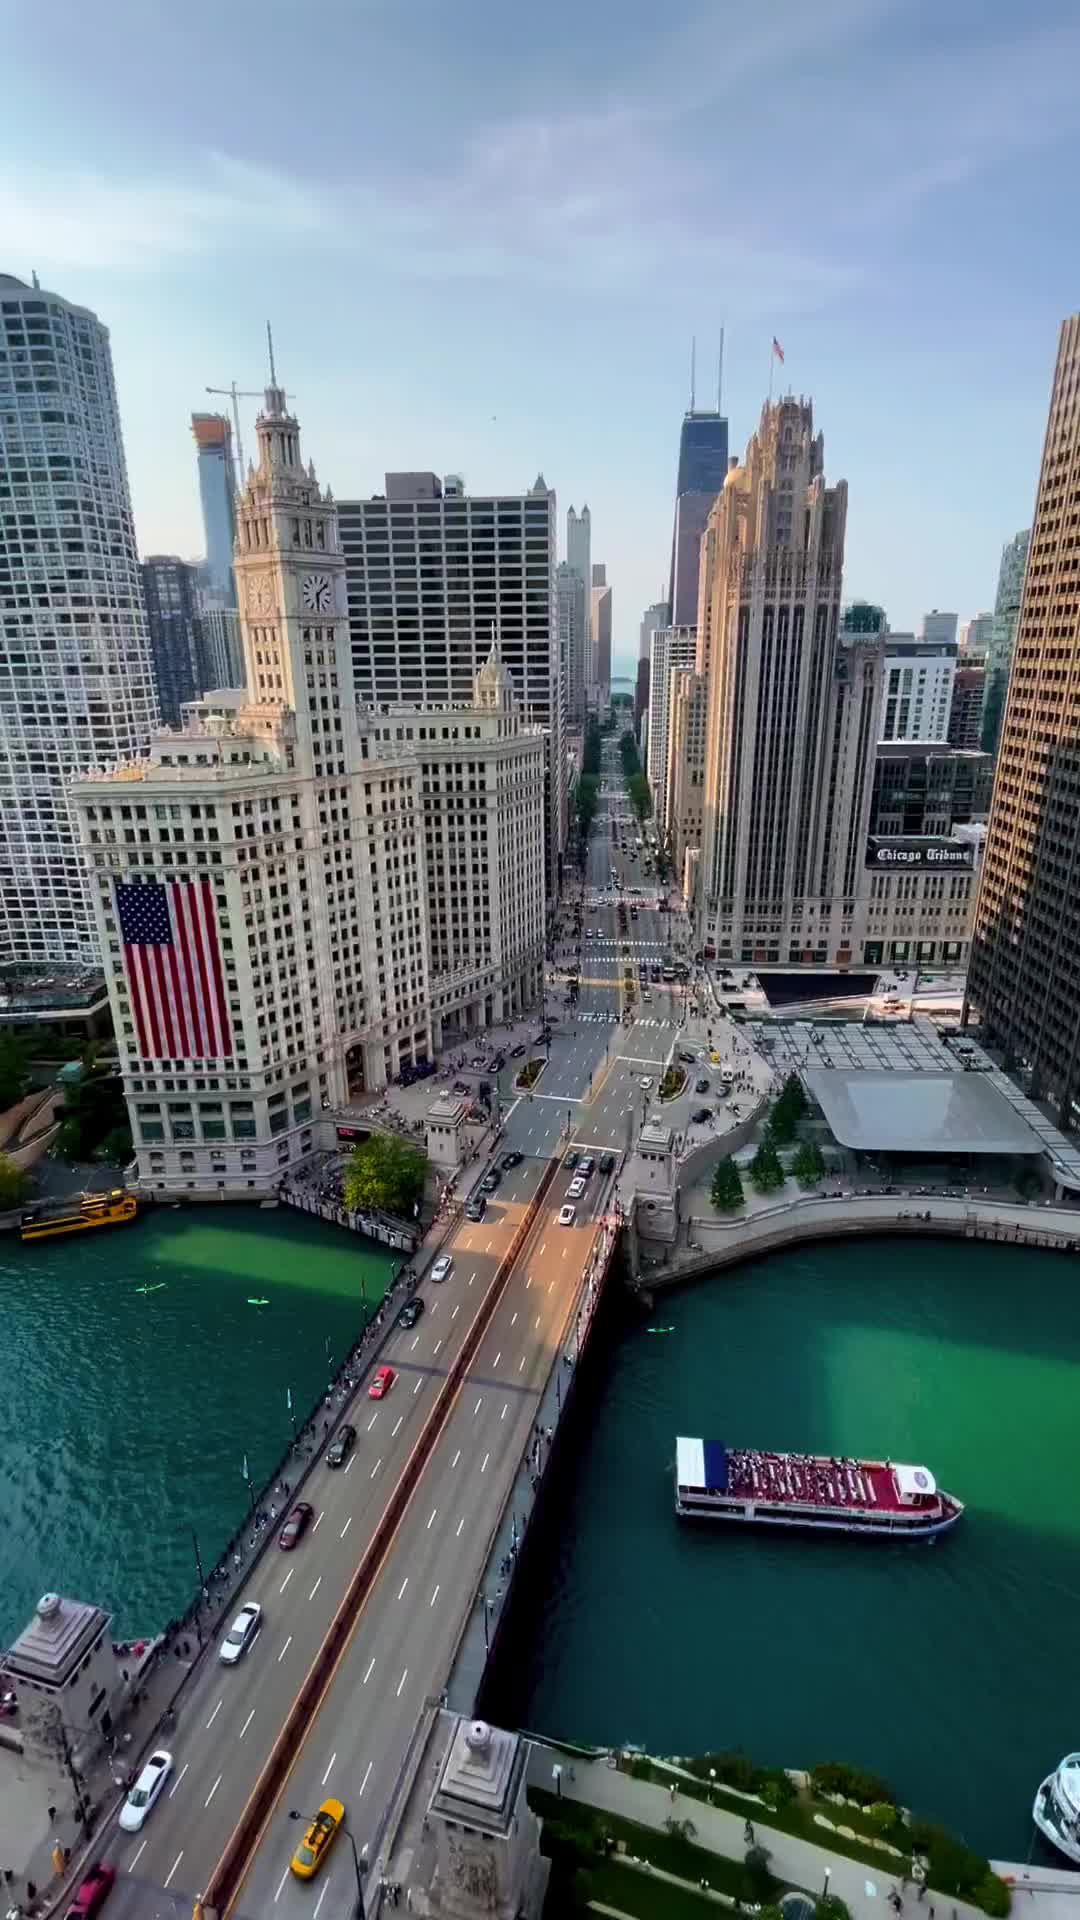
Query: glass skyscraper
column 703, row 461
column 217, row 492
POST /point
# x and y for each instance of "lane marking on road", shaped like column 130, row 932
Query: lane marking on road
column 212, row 1792
column 317, row 1525
column 284, row 1650
column 551, row 1283
column 315, row 1588
column 512, row 1321
column 319, row 1901
column 281, row 1884
column 542, row 1248
column 173, row 1868
column 397, row 1429
column 521, row 1364
column 215, row 1713
column 403, row 1586
column 434, row 1306
column 477, row 1407
column 329, row 1765
column 346, row 1527
column 419, row 1384
column 401, row 1682
column 506, row 1408
column 483, row 1468
column 460, row 1524
column 456, row 1311
column 472, row 1277
column 367, row 1676
column 496, row 1360
column 434, row 1511
column 536, row 1323
column 373, row 1419
column 247, row 1723
column 134, row 1863
column 528, row 1282
column 456, row 1458
column 438, row 1344
column 434, row 1597
column 367, row 1776
column 375, row 1468
column 415, row 1343
column 286, row 1580
column 176, row 1783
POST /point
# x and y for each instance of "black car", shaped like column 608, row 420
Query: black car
column 570, row 1161
column 686, row 1058
column 517, row 1052
column 511, row 1160
column 476, row 1208
column 607, row 1162
column 703, row 1085
column 490, row 1180
column 701, row 1114
column 410, row 1312
column 341, row 1446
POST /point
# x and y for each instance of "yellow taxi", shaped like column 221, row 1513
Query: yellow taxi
column 317, row 1840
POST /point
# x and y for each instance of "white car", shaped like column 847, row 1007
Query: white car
column 146, row 1790
column 443, row 1268
column 576, row 1188
column 566, row 1216
column 240, row 1634
column 645, row 1083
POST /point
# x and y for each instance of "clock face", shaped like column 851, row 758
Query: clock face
column 260, row 593
column 317, row 593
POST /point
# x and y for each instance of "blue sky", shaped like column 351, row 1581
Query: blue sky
column 485, row 233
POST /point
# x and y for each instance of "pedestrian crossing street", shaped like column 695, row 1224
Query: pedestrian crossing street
column 616, row 946
column 612, row 1020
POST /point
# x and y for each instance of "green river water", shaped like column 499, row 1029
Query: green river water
column 942, row 1667
column 125, row 1418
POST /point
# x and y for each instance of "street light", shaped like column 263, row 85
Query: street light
column 362, row 1856
column 825, row 1888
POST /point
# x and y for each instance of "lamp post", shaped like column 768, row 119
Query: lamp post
column 360, row 1860
column 825, row 1888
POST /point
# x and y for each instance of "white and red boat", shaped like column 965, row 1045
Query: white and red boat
column 827, row 1493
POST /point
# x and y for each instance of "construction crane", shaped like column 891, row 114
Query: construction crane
column 235, row 394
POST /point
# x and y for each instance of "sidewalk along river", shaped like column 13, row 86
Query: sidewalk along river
column 939, row 1667
column 137, row 1372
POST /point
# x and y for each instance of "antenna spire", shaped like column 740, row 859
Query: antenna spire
column 270, row 350
column 693, row 368
column 720, row 375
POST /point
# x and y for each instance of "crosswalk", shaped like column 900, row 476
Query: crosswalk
column 612, row 1020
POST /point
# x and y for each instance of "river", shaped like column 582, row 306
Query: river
column 126, row 1415
column 940, row 1667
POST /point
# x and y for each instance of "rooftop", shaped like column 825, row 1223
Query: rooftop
column 51, row 1645
column 917, row 1112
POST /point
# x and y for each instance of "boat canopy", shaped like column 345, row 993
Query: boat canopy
column 702, row 1464
column 914, row 1483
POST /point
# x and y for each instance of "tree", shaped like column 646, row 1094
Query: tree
column 13, row 1068
column 766, row 1171
column 13, row 1184
column 787, row 1111
column 727, row 1189
column 757, row 1880
column 808, row 1165
column 385, row 1173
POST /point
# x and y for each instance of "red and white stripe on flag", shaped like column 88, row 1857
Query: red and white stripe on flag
column 778, row 349
column 174, row 970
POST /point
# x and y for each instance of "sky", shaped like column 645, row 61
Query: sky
column 485, row 234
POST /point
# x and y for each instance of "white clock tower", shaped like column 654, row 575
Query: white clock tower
column 290, row 574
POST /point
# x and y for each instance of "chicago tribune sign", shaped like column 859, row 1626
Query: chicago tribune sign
column 920, row 856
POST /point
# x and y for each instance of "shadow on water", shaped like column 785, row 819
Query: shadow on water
column 128, row 1414
column 938, row 1666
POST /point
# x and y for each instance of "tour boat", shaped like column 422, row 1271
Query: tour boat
column 747, row 1484
column 93, row 1210
column 1056, row 1812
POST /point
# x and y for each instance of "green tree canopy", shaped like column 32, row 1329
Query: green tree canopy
column 13, row 1068
column 385, row 1173
column 808, row 1165
column 727, row 1190
column 766, row 1171
column 787, row 1111
column 13, row 1184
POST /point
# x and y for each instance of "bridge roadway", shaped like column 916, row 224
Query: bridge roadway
column 400, row 1650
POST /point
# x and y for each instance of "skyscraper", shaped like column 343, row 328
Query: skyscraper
column 793, row 707
column 76, row 683
column 1024, row 976
column 217, row 492
column 579, row 545
column 169, row 585
column 672, row 648
column 1010, row 589
column 916, row 697
column 703, row 462
column 655, row 616
column 434, row 576
column 975, row 638
column 940, row 628
column 573, row 638
column 965, row 714
column 600, row 635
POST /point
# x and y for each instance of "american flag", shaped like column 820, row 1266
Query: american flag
column 169, row 935
column 777, row 349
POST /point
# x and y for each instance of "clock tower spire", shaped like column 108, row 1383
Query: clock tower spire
column 290, row 574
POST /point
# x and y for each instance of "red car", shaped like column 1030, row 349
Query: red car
column 382, row 1383
column 295, row 1526
column 92, row 1894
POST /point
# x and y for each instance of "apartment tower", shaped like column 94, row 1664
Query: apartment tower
column 792, row 708
column 76, row 679
column 217, row 496
column 1024, row 976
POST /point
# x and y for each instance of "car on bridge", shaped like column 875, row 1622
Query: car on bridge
column 570, row 1161
column 576, row 1188
column 511, row 1160
column 410, row 1312
column 341, row 1446
column 93, row 1892
column 443, row 1268
column 567, row 1216
column 607, row 1163
column 146, row 1792
column 490, row 1180
column 318, row 1840
column 382, row 1383
column 240, row 1634
column 295, row 1526
column 476, row 1207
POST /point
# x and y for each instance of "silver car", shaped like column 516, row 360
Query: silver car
column 146, row 1790
column 240, row 1634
